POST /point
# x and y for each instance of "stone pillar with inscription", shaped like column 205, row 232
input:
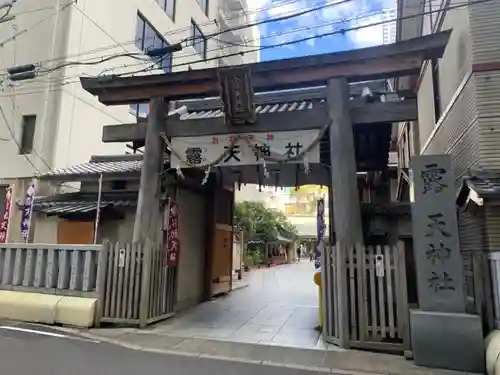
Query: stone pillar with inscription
column 442, row 334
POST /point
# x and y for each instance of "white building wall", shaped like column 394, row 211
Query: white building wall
column 231, row 14
column 69, row 120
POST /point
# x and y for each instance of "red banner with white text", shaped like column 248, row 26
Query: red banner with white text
column 172, row 243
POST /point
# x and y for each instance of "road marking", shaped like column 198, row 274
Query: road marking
column 45, row 333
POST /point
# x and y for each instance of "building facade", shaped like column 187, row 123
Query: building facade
column 237, row 46
column 458, row 102
column 389, row 29
column 50, row 122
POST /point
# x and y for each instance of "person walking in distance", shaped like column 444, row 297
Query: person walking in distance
column 299, row 253
column 311, row 255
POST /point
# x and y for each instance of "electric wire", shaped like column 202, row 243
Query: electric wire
column 336, row 32
column 368, row 14
column 133, row 41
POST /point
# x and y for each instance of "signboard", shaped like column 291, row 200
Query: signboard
column 237, row 95
column 27, row 211
column 435, row 235
column 320, row 220
column 205, row 149
column 4, row 222
column 172, row 243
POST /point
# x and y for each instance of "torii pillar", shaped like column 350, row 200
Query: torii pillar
column 344, row 191
column 347, row 213
column 146, row 224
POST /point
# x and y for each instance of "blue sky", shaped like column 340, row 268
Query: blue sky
column 331, row 18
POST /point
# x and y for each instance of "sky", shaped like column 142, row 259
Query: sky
column 333, row 17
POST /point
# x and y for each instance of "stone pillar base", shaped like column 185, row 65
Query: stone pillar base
column 447, row 340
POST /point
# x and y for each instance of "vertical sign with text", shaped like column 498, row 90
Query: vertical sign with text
column 320, row 222
column 4, row 220
column 27, row 211
column 172, row 243
column 435, row 235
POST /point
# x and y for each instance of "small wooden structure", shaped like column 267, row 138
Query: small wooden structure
column 279, row 251
column 352, row 134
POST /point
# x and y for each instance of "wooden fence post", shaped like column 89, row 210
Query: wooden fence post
column 147, row 248
column 102, row 268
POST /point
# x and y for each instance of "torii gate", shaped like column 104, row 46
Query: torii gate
column 333, row 72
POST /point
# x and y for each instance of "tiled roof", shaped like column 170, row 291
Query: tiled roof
column 96, row 168
column 67, row 207
column 259, row 109
column 82, row 202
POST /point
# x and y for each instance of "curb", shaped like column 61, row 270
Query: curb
column 47, row 308
column 126, row 345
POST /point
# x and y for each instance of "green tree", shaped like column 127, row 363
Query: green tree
column 260, row 223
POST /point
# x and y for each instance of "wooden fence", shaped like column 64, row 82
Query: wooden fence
column 494, row 291
column 365, row 297
column 55, row 269
column 135, row 286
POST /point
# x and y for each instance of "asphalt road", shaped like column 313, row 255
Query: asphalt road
column 23, row 352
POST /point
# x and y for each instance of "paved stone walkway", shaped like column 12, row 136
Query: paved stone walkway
column 279, row 307
column 270, row 322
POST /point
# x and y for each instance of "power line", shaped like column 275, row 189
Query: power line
column 32, row 27
column 131, row 42
column 13, row 138
column 114, row 56
column 213, row 35
column 272, row 20
column 336, row 32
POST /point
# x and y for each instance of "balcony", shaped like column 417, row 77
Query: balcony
column 229, row 18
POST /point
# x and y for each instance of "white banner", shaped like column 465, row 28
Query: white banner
column 27, row 212
column 205, row 149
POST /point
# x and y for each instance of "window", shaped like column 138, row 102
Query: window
column 139, row 110
column 438, row 110
column 169, row 7
column 147, row 38
column 199, row 41
column 27, row 134
column 118, row 185
column 203, row 5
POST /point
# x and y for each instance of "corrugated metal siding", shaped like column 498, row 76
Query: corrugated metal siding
column 492, row 221
column 471, row 231
column 488, row 107
column 458, row 133
column 457, row 58
column 485, row 31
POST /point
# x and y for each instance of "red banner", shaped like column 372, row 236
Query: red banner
column 4, row 222
column 172, row 243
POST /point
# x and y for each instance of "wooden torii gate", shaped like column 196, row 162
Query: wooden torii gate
column 332, row 72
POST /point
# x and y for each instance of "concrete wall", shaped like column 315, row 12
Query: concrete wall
column 191, row 271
